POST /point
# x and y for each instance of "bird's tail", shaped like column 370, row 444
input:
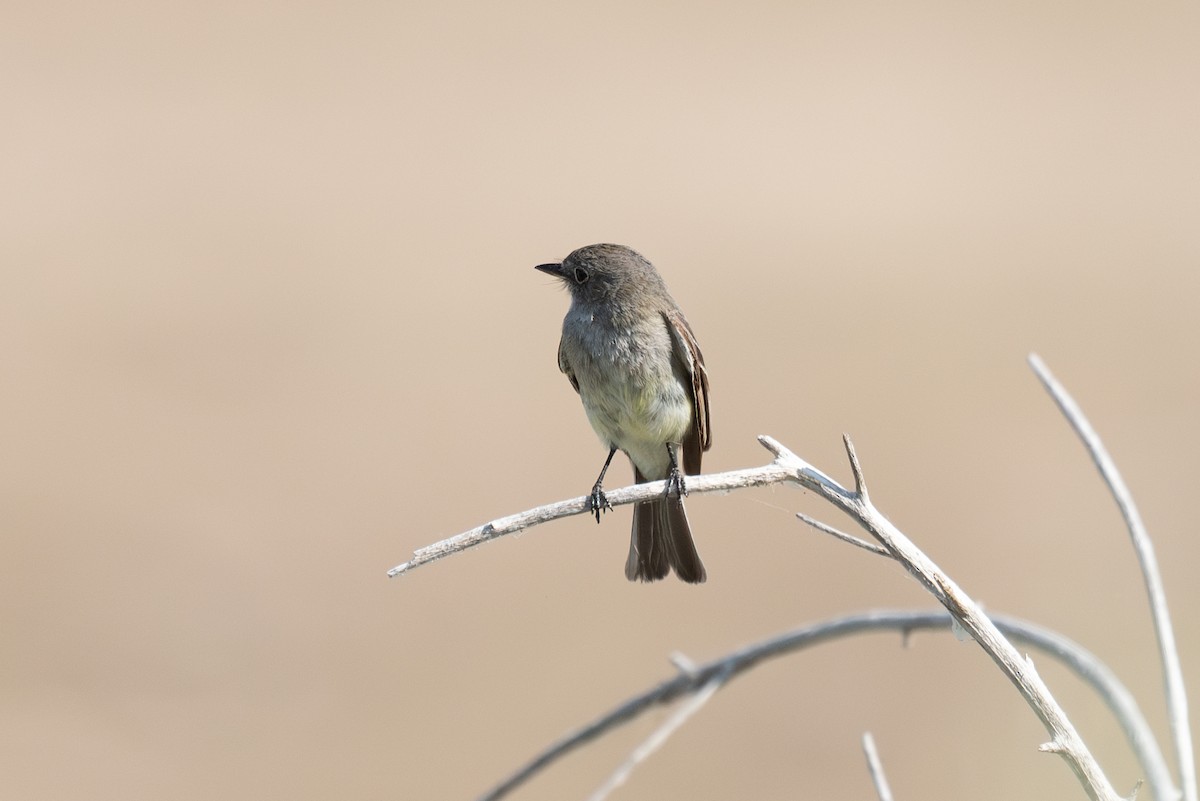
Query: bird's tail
column 661, row 541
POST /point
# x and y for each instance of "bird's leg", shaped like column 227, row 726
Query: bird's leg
column 675, row 478
column 597, row 499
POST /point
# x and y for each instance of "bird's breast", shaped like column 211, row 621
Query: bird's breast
column 631, row 386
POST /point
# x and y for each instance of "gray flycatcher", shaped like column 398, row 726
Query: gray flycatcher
column 632, row 357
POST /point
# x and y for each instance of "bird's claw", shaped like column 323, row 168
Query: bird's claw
column 675, row 482
column 598, row 502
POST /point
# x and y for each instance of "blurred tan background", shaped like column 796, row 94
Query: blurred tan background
column 270, row 323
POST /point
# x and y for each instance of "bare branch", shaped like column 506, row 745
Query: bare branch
column 972, row 618
column 787, row 467
column 1177, row 706
column 784, row 468
column 660, row 735
column 876, row 768
column 1079, row 660
column 843, row 536
column 773, row 473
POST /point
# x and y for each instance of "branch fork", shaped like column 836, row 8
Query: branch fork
column 701, row 682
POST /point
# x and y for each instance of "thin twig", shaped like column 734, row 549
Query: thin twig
column 659, row 736
column 768, row 474
column 1177, row 706
column 1075, row 657
column 763, row 476
column 876, row 768
column 843, row 536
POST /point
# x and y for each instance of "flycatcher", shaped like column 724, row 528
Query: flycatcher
column 632, row 357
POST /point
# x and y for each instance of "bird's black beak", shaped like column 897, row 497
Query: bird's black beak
column 555, row 269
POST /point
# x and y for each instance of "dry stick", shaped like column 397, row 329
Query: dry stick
column 825, row 528
column 1065, row 741
column 772, row 473
column 696, row 677
column 876, row 767
column 1177, row 707
column 789, row 467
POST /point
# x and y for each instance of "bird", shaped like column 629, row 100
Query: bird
column 630, row 353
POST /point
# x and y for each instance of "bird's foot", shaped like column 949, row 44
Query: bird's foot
column 598, row 501
column 676, row 483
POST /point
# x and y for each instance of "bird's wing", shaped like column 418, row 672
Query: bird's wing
column 565, row 366
column 689, row 355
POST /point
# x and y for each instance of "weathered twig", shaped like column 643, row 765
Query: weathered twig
column 771, row 473
column 1177, row 707
column 696, row 677
column 825, row 528
column 876, row 768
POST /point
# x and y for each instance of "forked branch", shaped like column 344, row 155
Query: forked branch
column 697, row 678
column 772, row 473
column 1064, row 739
column 786, row 467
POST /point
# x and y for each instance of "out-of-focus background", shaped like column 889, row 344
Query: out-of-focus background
column 270, row 323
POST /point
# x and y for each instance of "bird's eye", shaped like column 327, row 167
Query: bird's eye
column 581, row 275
